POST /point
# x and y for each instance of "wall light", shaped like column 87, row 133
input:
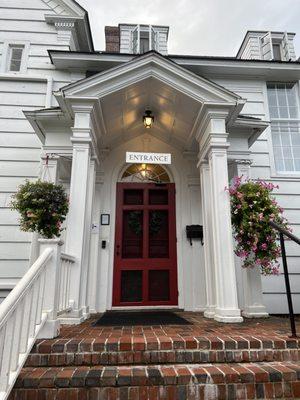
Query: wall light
column 148, row 119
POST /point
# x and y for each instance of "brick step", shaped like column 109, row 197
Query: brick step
column 139, row 350
column 170, row 382
column 160, row 357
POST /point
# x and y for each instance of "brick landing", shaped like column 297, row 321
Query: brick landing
column 206, row 360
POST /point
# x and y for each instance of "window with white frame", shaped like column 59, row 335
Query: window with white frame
column 15, row 57
column 285, row 126
column 143, row 39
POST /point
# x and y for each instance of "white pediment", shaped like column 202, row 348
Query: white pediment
column 151, row 66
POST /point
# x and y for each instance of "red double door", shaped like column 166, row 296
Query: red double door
column 145, row 262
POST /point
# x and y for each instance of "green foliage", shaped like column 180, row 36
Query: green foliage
column 252, row 208
column 43, row 207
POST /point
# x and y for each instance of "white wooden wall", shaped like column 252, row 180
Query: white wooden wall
column 22, row 20
column 288, row 195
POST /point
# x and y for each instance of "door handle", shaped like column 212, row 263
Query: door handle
column 118, row 249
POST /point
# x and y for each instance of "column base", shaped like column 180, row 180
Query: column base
column 74, row 317
column 50, row 330
column 209, row 312
column 255, row 312
column 228, row 316
column 65, row 320
column 86, row 312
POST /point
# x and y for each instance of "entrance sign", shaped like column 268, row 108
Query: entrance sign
column 148, row 158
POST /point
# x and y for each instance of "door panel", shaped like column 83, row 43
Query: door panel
column 145, row 262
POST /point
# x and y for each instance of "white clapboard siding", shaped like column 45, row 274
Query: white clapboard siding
column 28, row 26
column 13, row 269
column 28, row 99
column 14, row 250
column 19, row 168
column 8, row 217
column 10, row 184
column 16, row 154
column 5, row 199
column 23, row 20
column 11, row 234
column 21, row 5
column 9, row 14
column 19, row 140
column 276, row 283
column 288, row 194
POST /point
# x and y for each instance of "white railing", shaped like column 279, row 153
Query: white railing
column 21, row 319
column 64, row 304
column 32, row 310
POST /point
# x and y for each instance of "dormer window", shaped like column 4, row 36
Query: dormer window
column 143, row 39
column 139, row 39
column 270, row 46
column 276, row 46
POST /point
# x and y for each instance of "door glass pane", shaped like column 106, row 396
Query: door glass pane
column 159, row 285
column 131, row 286
column 133, row 196
column 132, row 246
column 159, row 196
column 158, row 234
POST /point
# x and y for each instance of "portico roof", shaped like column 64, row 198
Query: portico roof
column 176, row 96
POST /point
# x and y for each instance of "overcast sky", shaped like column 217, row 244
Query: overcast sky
column 202, row 27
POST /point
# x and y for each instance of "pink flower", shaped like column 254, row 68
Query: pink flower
column 264, row 246
column 260, row 216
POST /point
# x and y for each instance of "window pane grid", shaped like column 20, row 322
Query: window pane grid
column 286, row 145
column 284, row 112
column 15, row 60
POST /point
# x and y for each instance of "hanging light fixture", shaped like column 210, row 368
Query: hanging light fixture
column 148, row 119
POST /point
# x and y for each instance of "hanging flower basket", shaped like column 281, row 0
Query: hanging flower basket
column 252, row 208
column 43, row 207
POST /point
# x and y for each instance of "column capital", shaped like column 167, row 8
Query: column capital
column 81, row 140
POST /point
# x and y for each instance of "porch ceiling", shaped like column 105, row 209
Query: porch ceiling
column 174, row 113
column 119, row 97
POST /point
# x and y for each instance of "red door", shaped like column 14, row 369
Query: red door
column 145, row 263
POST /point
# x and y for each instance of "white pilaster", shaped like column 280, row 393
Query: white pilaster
column 253, row 298
column 87, row 236
column 76, row 230
column 206, row 199
column 51, row 327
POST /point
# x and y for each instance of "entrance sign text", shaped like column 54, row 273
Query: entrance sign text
column 148, row 158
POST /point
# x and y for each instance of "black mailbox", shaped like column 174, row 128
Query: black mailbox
column 194, row 232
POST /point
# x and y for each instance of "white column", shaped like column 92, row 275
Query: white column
column 206, row 199
column 227, row 309
column 76, row 229
column 253, row 298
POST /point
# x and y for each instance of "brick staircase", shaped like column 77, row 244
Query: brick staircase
column 205, row 360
